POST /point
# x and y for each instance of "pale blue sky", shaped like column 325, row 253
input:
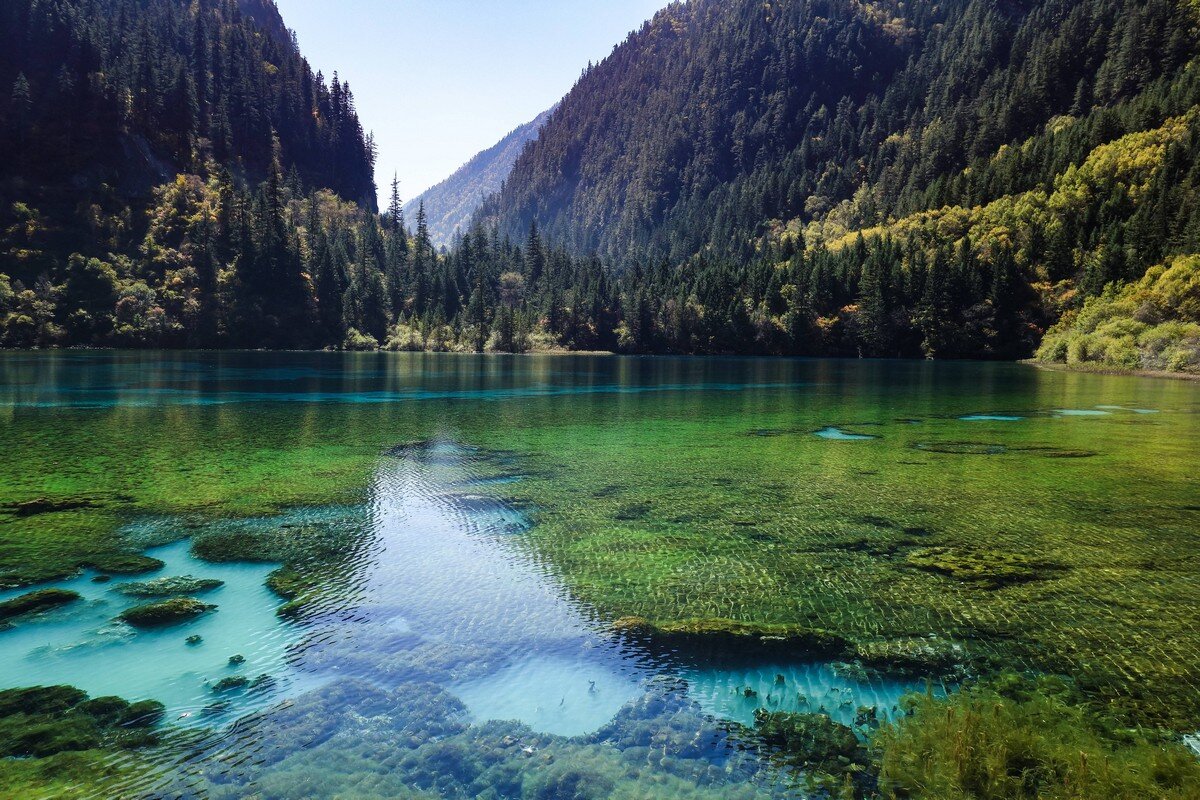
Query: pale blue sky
column 439, row 80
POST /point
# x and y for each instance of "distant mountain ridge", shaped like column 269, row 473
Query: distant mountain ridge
column 452, row 203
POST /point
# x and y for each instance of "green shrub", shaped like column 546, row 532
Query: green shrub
column 1153, row 324
column 1019, row 739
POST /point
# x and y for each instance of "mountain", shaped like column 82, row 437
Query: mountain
column 789, row 177
column 884, row 179
column 451, row 204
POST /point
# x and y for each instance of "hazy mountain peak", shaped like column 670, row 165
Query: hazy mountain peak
column 452, row 203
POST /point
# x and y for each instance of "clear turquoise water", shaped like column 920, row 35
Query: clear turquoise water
column 448, row 634
column 84, row 645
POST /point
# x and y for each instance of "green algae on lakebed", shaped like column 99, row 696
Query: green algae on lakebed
column 1064, row 543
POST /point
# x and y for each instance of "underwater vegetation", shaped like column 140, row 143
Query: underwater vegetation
column 1010, row 737
column 44, row 721
column 988, row 568
column 943, row 548
column 315, row 554
column 54, row 741
column 817, row 745
column 711, row 640
column 354, row 739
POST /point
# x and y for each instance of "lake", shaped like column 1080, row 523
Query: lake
column 570, row 576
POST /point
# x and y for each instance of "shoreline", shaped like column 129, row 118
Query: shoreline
column 1051, row 366
column 1054, row 366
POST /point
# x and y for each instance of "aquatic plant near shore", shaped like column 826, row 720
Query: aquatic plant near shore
column 1017, row 738
column 811, row 742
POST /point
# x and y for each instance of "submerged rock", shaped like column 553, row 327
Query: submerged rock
column 194, row 640
column 32, row 602
column 169, row 587
column 168, row 612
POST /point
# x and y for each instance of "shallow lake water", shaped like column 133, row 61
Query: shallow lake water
column 472, row 528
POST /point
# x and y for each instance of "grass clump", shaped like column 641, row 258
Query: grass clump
column 169, row 612
column 1153, row 324
column 1016, row 738
column 32, row 602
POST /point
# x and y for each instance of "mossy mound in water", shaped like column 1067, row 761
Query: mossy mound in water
column 919, row 657
column 231, row 684
column 168, row 612
column 124, row 563
column 987, row 567
column 712, row 640
column 41, row 600
column 169, row 587
column 44, row 721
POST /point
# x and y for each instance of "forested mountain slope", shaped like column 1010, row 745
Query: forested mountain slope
column 821, row 178
column 452, row 204
column 106, row 103
column 878, row 179
column 720, row 116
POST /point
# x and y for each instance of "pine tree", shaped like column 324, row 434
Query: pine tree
column 21, row 108
column 395, row 213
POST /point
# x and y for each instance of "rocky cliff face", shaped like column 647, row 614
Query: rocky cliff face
column 266, row 15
